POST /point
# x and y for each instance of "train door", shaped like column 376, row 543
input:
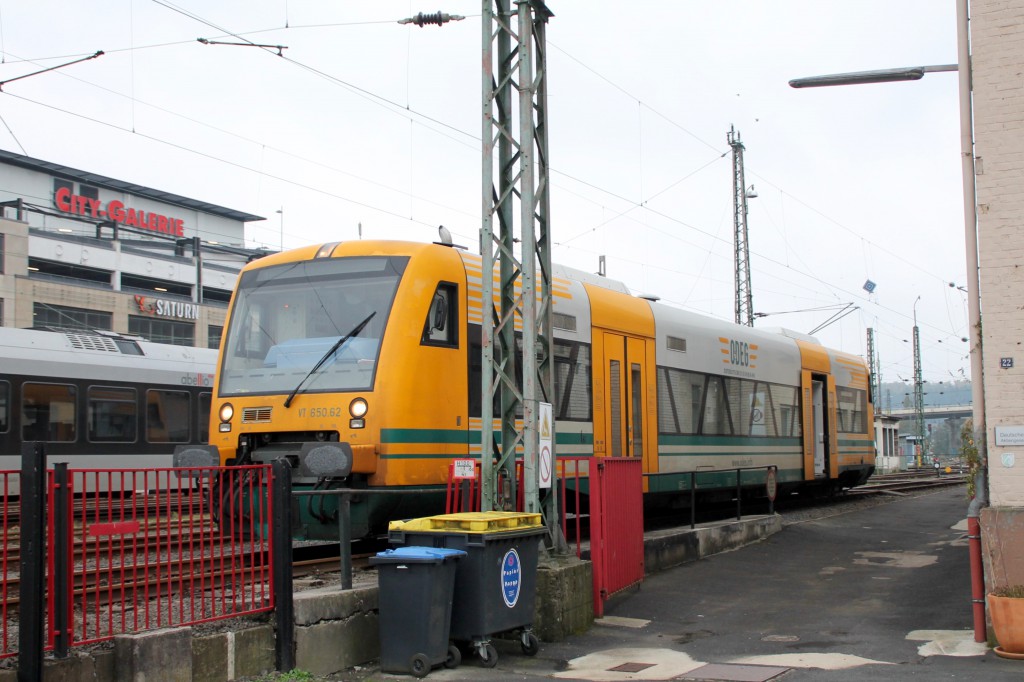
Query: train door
column 625, row 383
column 816, row 426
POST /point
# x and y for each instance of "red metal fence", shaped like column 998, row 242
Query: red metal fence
column 616, row 526
column 144, row 549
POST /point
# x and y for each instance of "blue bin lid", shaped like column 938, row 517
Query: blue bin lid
column 417, row 554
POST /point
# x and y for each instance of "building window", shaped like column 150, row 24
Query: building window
column 78, row 274
column 162, row 331
column 5, row 406
column 64, row 317
column 216, row 295
column 58, row 185
column 89, row 191
column 3, row 255
column 213, row 334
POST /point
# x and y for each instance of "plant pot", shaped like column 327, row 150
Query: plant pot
column 1007, row 615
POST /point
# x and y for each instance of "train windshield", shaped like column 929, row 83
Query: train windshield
column 287, row 317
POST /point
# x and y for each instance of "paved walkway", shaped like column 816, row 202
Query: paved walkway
column 876, row 594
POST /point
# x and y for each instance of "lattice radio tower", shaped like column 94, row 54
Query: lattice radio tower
column 741, row 252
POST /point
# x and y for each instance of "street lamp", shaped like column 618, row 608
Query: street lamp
column 908, row 73
column 963, row 68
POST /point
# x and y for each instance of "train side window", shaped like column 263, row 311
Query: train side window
column 573, row 397
column 786, row 405
column 5, row 406
column 679, row 397
column 717, row 419
column 112, row 414
column 205, row 399
column 168, row 416
column 441, row 326
column 48, row 412
column 851, row 410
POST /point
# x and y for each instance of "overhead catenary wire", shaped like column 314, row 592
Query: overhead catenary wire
column 647, row 199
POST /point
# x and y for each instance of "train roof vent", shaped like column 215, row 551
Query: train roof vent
column 91, row 342
column 563, row 321
column 103, row 342
column 675, row 343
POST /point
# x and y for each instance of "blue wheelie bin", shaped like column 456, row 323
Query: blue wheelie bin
column 415, row 606
column 495, row 583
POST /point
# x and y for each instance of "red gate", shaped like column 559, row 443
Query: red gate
column 616, row 526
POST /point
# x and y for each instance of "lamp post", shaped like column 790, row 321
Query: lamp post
column 918, row 389
column 280, row 212
column 963, row 69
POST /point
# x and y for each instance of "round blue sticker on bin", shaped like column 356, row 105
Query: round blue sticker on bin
column 511, row 578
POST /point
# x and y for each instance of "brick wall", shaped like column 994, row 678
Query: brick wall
column 997, row 42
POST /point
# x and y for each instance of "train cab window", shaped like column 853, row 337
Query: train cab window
column 48, row 412
column 112, row 414
column 168, row 416
column 441, row 326
column 205, row 399
column 5, row 406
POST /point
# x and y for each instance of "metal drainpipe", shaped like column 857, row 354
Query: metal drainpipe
column 974, row 547
column 974, row 312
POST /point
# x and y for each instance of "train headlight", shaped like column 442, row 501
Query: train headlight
column 226, row 412
column 357, row 408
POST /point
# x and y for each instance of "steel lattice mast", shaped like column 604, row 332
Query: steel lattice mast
column 514, row 62
column 874, row 371
column 744, row 298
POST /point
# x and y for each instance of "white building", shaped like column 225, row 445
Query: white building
column 82, row 250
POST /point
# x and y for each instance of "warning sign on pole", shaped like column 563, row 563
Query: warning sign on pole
column 546, row 428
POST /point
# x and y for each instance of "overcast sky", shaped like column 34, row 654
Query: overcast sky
column 365, row 121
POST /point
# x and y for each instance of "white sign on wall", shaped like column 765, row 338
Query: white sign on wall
column 1010, row 435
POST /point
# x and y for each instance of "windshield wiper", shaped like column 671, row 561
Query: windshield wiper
column 330, row 351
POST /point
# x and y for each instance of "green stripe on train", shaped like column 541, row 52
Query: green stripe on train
column 664, row 439
column 709, row 480
column 466, row 436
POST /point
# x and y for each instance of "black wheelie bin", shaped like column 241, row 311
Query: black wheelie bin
column 415, row 606
column 495, row 583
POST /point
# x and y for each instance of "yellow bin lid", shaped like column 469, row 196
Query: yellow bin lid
column 470, row 522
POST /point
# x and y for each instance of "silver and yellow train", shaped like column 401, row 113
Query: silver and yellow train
column 375, row 346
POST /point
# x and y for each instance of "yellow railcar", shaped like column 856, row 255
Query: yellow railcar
column 370, row 350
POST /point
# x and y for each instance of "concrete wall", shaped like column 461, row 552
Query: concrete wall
column 997, row 32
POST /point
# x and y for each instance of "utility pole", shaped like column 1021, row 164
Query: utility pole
column 918, row 389
column 874, row 367
column 741, row 252
column 515, row 176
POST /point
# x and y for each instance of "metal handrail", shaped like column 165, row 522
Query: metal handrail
column 739, row 496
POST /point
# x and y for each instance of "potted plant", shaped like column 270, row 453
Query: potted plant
column 1006, row 608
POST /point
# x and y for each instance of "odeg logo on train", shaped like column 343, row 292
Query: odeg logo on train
column 511, row 577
